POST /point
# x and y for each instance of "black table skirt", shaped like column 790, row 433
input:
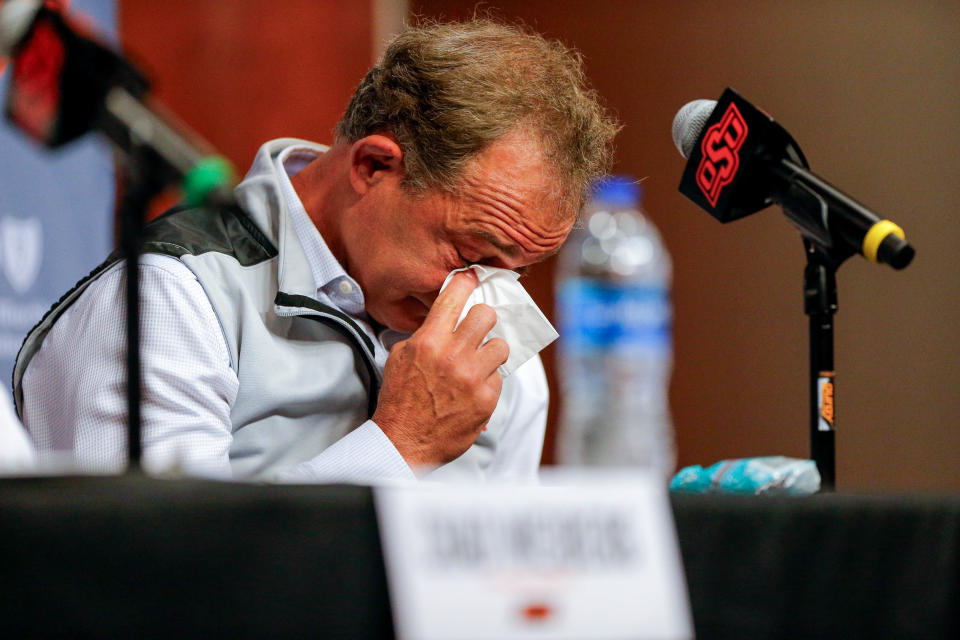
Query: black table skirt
column 139, row 557
column 830, row 566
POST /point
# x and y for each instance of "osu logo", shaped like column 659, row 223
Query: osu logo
column 721, row 159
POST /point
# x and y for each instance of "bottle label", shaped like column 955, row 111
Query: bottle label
column 596, row 314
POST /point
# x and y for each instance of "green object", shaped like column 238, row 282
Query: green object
column 205, row 176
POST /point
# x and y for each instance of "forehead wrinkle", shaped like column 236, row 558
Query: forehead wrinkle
column 499, row 208
column 521, row 234
column 538, row 199
column 525, row 226
column 514, row 251
column 511, row 250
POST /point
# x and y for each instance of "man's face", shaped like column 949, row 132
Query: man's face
column 400, row 248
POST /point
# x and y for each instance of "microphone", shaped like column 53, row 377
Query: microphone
column 741, row 161
column 15, row 19
column 64, row 83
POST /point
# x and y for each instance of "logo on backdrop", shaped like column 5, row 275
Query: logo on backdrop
column 721, row 159
column 21, row 256
column 21, row 240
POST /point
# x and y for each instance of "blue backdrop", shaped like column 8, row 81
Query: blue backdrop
column 56, row 215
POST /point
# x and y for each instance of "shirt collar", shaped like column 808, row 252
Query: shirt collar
column 324, row 267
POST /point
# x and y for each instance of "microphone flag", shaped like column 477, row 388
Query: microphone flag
column 725, row 173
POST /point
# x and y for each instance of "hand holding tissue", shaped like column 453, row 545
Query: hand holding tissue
column 519, row 321
column 440, row 385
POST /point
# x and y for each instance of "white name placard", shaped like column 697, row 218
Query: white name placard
column 586, row 556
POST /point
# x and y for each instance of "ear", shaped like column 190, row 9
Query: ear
column 374, row 159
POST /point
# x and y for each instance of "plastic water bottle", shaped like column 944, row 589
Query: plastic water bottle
column 615, row 355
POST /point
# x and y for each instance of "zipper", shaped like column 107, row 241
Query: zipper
column 344, row 325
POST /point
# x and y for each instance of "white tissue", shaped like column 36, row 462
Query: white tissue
column 519, row 321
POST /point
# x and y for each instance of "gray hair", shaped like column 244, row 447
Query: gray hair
column 448, row 90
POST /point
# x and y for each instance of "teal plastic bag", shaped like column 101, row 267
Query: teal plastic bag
column 769, row 475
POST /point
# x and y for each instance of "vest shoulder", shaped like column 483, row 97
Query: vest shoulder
column 195, row 231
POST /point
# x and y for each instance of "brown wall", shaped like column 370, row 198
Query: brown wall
column 869, row 89
column 241, row 72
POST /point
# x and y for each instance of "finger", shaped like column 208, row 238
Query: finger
column 495, row 382
column 476, row 325
column 493, row 354
column 447, row 307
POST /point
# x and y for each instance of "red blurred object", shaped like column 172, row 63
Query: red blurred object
column 35, row 89
column 537, row 612
column 55, row 5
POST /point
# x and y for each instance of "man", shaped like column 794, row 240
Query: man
column 303, row 336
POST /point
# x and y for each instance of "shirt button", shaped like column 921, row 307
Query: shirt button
column 346, row 287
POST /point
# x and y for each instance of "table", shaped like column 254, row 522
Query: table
column 133, row 556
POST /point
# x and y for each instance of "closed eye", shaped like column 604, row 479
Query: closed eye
column 466, row 262
column 463, row 261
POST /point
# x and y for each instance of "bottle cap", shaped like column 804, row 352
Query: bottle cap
column 621, row 191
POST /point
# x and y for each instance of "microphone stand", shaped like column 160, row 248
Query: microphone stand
column 141, row 184
column 820, row 304
column 826, row 250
